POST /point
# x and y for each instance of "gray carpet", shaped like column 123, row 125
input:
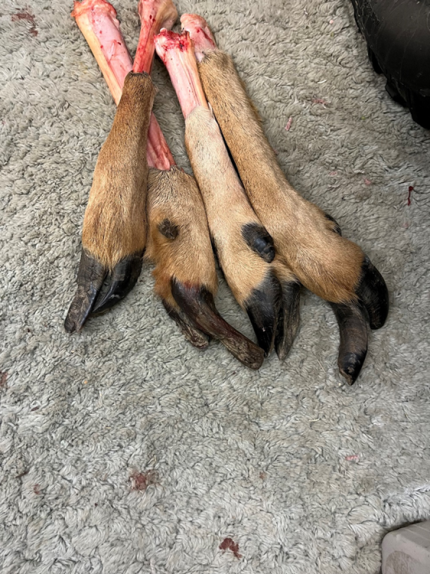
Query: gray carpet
column 126, row 451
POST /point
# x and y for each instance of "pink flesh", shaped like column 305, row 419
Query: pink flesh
column 98, row 23
column 177, row 53
column 200, row 34
column 154, row 15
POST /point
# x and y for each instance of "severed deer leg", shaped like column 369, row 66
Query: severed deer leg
column 178, row 238
column 308, row 241
column 114, row 230
column 245, row 250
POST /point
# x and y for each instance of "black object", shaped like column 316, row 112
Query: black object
column 397, row 33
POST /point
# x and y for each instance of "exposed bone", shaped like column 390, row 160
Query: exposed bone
column 154, row 15
column 100, row 27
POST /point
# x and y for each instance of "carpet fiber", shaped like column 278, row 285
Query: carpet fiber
column 124, row 450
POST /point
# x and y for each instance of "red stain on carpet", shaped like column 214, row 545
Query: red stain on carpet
column 352, row 458
column 229, row 544
column 141, row 480
column 29, row 17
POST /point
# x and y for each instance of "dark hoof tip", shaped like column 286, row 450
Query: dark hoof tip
column 373, row 293
column 283, row 350
column 353, row 331
column 263, row 307
column 119, row 283
column 198, row 304
column 289, row 318
column 70, row 325
column 193, row 335
column 351, row 365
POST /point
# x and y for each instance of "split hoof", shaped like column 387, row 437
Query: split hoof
column 263, row 307
column 119, row 283
column 198, row 304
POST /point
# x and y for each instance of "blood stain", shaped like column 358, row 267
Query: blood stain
column 26, row 15
column 229, row 544
column 141, row 480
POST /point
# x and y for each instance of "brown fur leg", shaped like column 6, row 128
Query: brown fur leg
column 326, row 263
column 180, row 246
column 114, row 231
column 115, row 218
column 243, row 246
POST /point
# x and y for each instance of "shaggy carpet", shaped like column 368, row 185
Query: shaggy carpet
column 123, row 449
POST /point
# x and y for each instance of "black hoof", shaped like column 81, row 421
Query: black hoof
column 289, row 318
column 352, row 321
column 90, row 279
column 198, row 304
column 119, row 283
column 373, row 293
column 263, row 308
column 196, row 337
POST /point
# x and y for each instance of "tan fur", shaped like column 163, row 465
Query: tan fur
column 174, row 195
column 115, row 218
column 227, row 206
column 325, row 263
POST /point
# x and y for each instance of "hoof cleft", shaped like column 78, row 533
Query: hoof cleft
column 263, row 307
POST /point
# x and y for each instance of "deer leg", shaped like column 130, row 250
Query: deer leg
column 107, row 215
column 307, row 242
column 244, row 247
column 185, row 277
column 114, row 230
